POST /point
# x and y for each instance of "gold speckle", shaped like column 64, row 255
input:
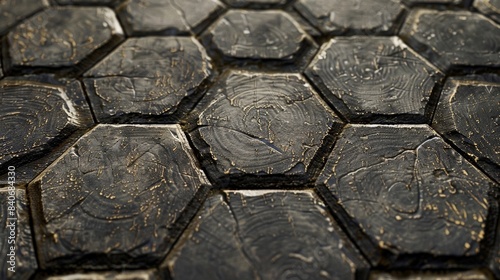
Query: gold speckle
column 467, row 245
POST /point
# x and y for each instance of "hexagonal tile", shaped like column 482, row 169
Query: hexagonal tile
column 377, row 79
column 36, row 115
column 468, row 114
column 131, row 187
column 110, row 275
column 16, row 243
column 70, row 38
column 256, row 3
column 148, row 77
column 409, row 191
column 13, row 11
column 490, row 8
column 419, row 275
column 262, row 128
column 453, row 39
column 168, row 17
column 336, row 17
column 243, row 37
column 264, row 235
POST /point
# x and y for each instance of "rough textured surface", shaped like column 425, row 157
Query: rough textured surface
column 36, row 114
column 61, row 37
column 13, row 11
column 256, row 3
column 147, row 77
column 494, row 260
column 262, row 124
column 168, row 16
column 490, row 8
column 468, row 114
column 263, row 107
column 89, row 2
column 374, row 79
column 123, row 275
column 257, row 35
column 125, row 185
column 466, row 275
column 264, row 235
column 337, row 17
column 423, row 2
column 452, row 39
column 25, row 258
column 408, row 190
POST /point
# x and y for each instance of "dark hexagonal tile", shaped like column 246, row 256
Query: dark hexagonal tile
column 256, row 3
column 110, row 275
column 37, row 114
column 13, row 11
column 244, row 38
column 168, row 17
column 375, row 79
column 62, row 39
column 453, row 39
column 409, row 192
column 468, row 114
column 117, row 198
column 16, row 243
column 148, row 77
column 462, row 275
column 490, row 8
column 336, row 17
column 264, row 235
column 262, row 128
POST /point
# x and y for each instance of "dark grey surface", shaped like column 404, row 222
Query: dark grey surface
column 150, row 274
column 116, row 198
column 25, row 257
column 89, row 2
column 256, row 126
column 257, row 35
column 37, row 114
column 256, row 3
column 147, row 77
column 168, row 17
column 264, row 235
column 61, row 37
column 337, row 17
column 14, row 11
column 414, row 275
column 453, row 39
column 408, row 190
column 424, row 2
column 375, row 79
column 490, row 8
column 468, row 114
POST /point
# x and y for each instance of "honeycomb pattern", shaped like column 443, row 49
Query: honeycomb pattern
column 252, row 139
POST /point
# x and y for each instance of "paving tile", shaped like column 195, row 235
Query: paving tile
column 258, row 127
column 375, row 79
column 148, row 77
column 264, row 235
column 116, row 199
